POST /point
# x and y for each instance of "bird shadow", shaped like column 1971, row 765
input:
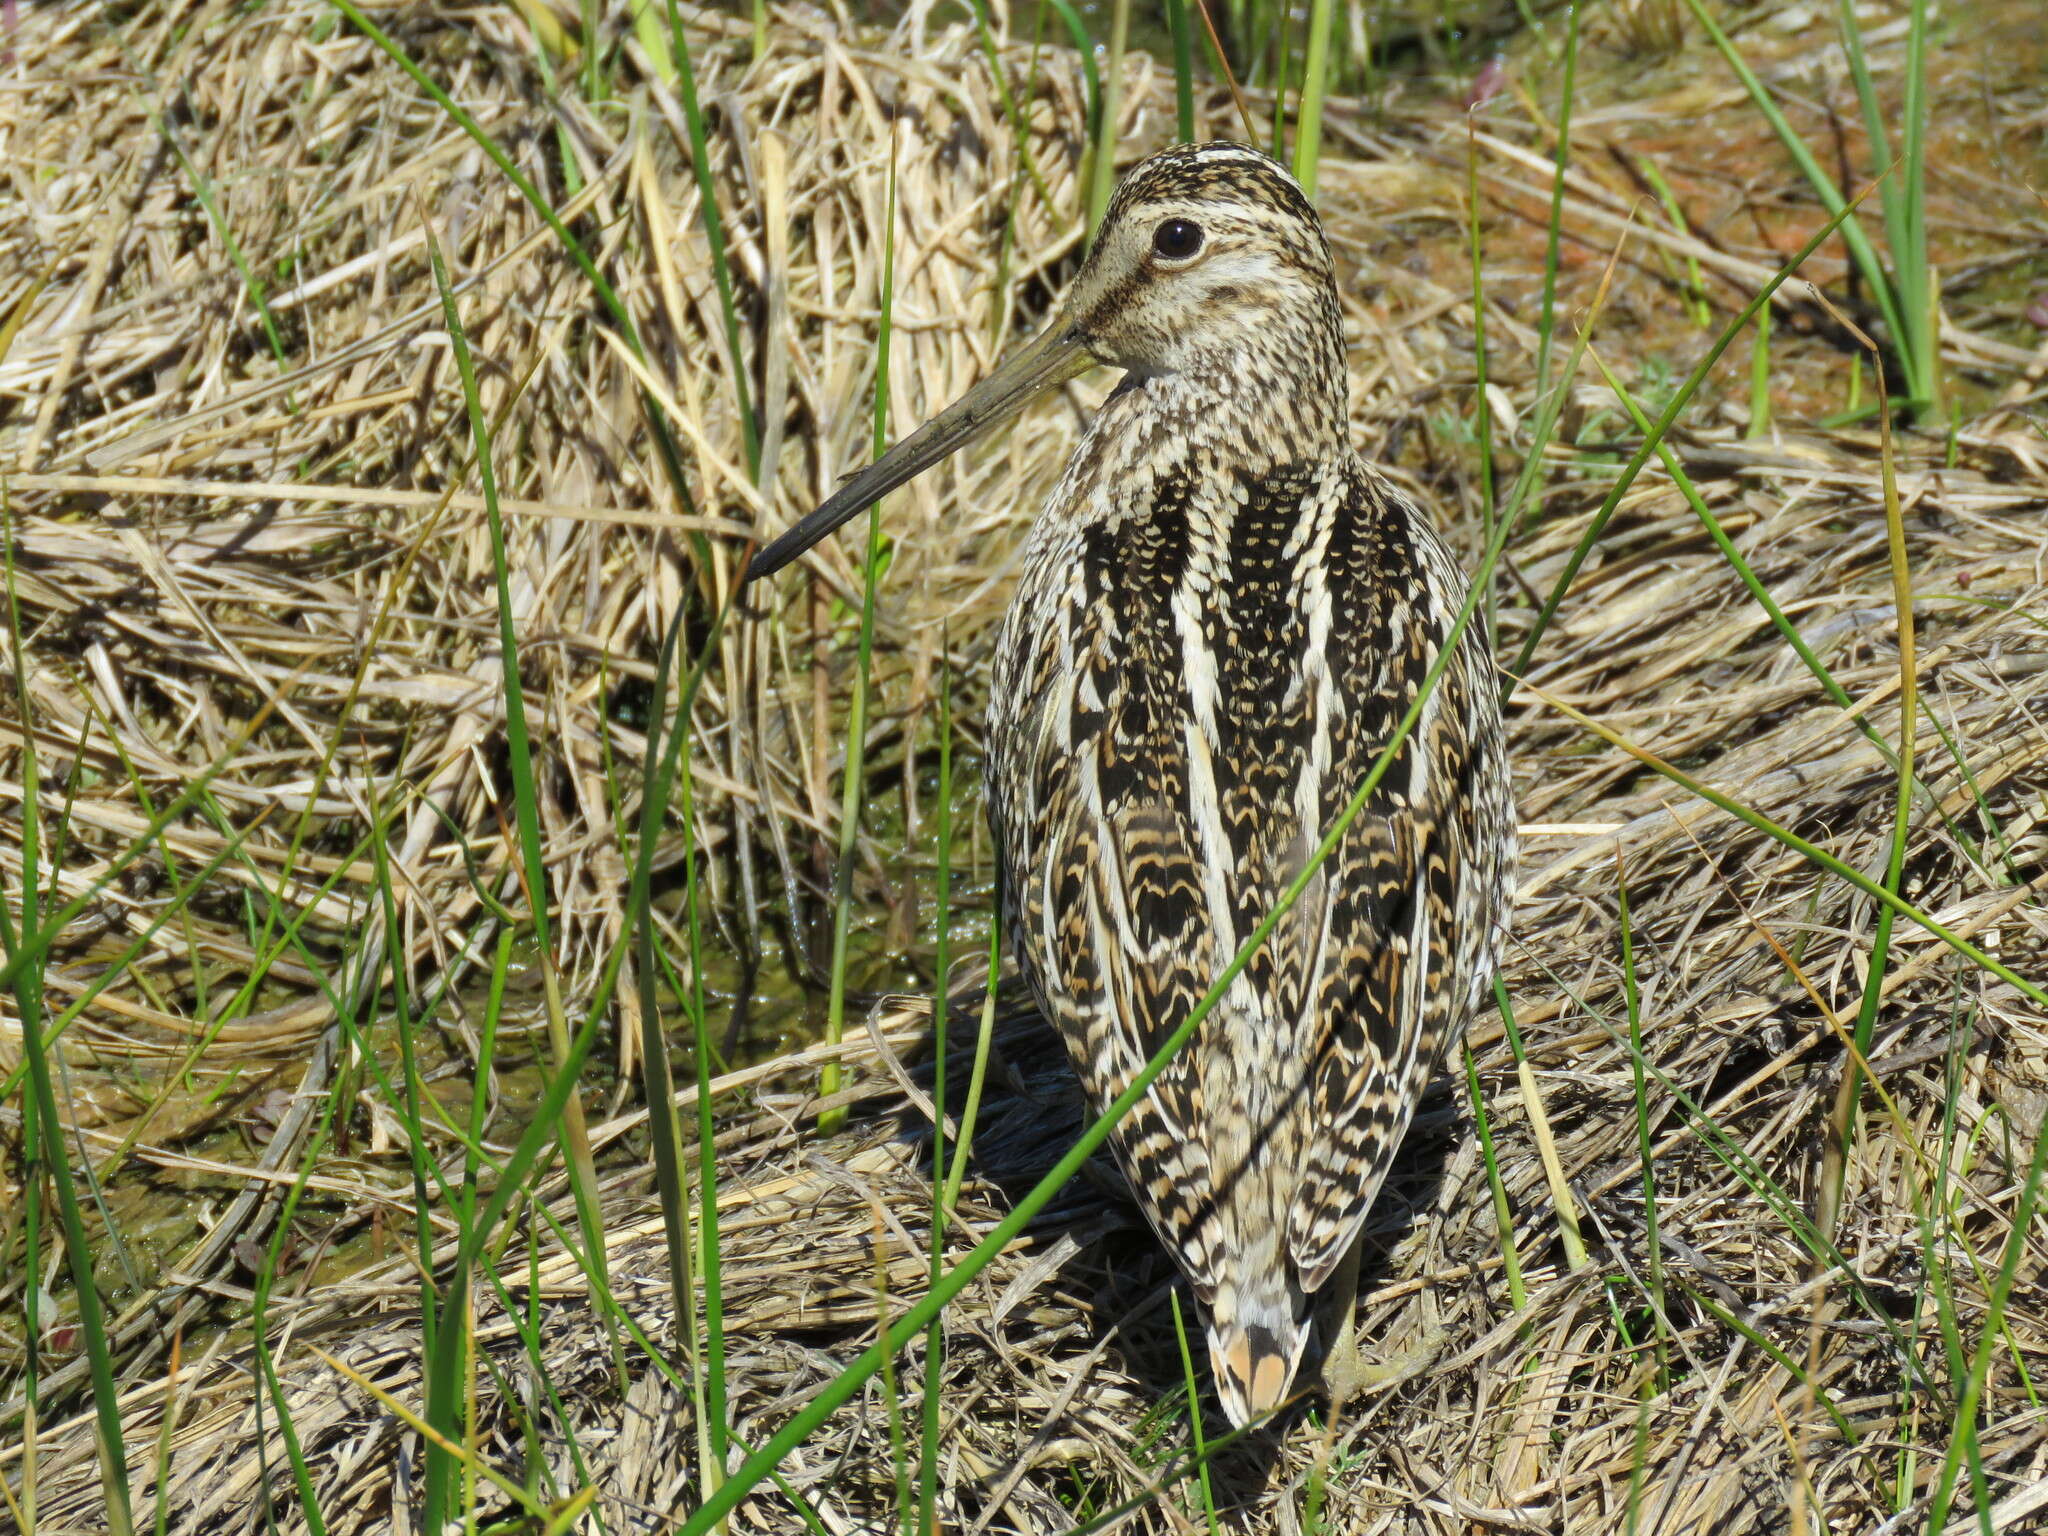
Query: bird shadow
column 1117, row 1273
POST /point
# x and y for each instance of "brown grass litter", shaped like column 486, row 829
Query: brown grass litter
column 199, row 532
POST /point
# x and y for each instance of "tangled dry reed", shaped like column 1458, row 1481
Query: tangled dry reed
column 276, row 571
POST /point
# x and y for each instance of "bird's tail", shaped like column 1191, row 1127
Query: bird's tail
column 1256, row 1337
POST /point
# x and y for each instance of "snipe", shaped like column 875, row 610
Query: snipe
column 1223, row 614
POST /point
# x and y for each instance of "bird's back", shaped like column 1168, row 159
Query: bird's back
column 1199, row 667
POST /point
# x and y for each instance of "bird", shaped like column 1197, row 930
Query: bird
column 1222, row 615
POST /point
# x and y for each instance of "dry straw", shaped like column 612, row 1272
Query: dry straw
column 196, row 533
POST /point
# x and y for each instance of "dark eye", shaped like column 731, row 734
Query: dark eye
column 1177, row 239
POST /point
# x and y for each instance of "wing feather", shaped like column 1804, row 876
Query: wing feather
column 1417, row 917
column 1200, row 697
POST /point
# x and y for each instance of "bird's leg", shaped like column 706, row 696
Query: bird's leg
column 1346, row 1371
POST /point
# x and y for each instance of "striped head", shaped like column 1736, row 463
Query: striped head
column 1211, row 260
column 1210, row 271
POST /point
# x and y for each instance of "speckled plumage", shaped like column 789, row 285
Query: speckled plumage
column 1223, row 615
column 1224, row 612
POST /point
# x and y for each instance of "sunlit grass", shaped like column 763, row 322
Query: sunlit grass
column 491, row 1197
column 1902, row 289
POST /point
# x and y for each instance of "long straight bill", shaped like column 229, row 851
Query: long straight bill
column 1045, row 362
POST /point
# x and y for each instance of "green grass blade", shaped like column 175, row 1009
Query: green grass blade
column 709, row 1267
column 1196, row 1438
column 1020, row 122
column 1280, row 25
column 1834, row 1165
column 442, row 1385
column 854, row 777
column 1874, row 126
column 1674, row 212
column 1503, row 1217
column 1183, row 69
column 1801, row 846
column 1860, row 249
column 1102, row 164
column 1315, row 83
column 271, row 1389
column 1084, row 50
column 714, row 235
column 1780, row 621
column 892, row 1393
column 16, row 930
column 942, row 920
column 1632, row 1001
column 1911, row 270
column 1546, row 321
column 1760, row 377
column 956, row 1168
column 1482, row 405
column 1569, row 1231
column 1779, row 1357
column 1904, row 195
column 658, row 775
column 664, row 440
column 202, row 188
column 1629, row 471
column 32, row 1295
column 411, row 1092
column 526, row 814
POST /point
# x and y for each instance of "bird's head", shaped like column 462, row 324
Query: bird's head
column 1210, row 265
column 1209, row 254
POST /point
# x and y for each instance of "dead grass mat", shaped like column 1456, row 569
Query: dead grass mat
column 199, row 530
